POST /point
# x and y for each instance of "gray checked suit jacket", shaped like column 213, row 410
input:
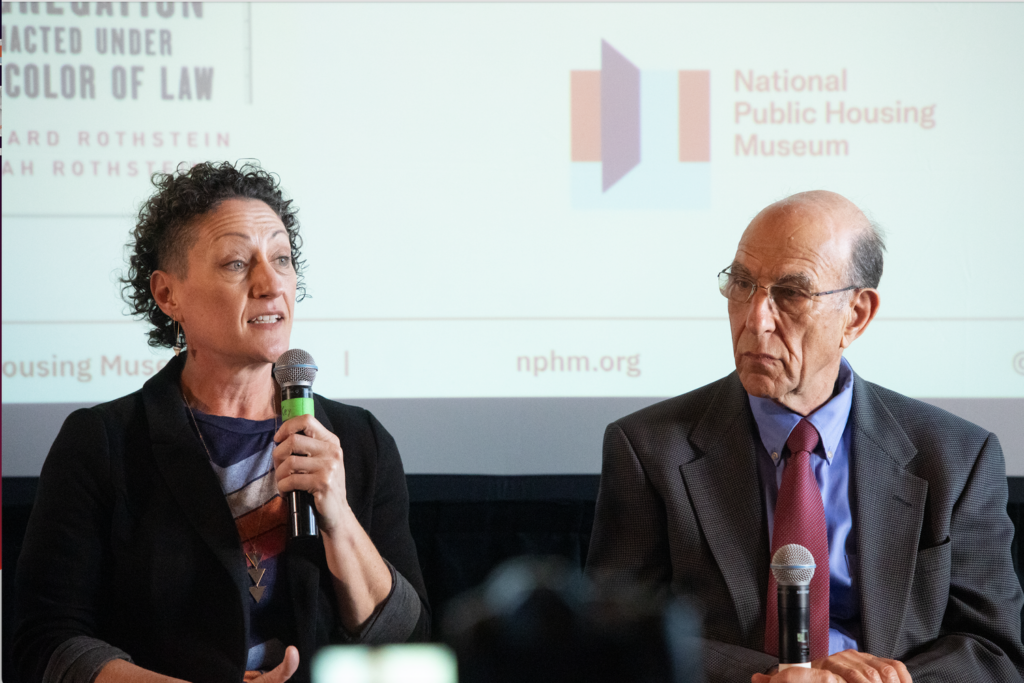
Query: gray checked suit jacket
column 680, row 506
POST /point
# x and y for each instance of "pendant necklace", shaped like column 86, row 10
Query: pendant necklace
column 255, row 573
column 253, row 555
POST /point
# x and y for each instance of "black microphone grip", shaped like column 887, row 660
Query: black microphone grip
column 298, row 400
column 794, row 625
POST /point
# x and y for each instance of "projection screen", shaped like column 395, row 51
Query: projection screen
column 514, row 214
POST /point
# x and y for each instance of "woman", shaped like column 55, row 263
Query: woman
column 157, row 548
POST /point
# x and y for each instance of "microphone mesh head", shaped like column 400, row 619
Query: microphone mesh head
column 295, row 366
column 793, row 565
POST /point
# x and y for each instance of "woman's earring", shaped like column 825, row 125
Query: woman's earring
column 178, row 338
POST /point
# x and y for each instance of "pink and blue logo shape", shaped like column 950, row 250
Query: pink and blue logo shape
column 640, row 139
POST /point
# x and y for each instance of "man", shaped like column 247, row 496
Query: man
column 903, row 505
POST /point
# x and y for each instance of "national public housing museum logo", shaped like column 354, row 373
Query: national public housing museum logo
column 640, row 139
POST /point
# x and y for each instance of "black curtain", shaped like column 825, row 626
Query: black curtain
column 463, row 526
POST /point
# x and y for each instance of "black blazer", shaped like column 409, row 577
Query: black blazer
column 131, row 541
column 680, row 505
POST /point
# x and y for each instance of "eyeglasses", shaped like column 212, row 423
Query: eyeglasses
column 789, row 299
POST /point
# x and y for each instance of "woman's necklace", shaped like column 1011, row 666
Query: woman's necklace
column 253, row 555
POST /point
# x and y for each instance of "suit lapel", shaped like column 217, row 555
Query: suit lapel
column 185, row 467
column 723, row 485
column 888, row 506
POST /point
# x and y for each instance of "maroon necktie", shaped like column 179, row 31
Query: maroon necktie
column 800, row 518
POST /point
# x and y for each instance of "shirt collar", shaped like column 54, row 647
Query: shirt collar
column 775, row 422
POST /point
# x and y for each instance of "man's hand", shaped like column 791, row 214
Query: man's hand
column 283, row 671
column 848, row 666
column 799, row 675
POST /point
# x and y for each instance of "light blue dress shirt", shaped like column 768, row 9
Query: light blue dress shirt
column 832, row 471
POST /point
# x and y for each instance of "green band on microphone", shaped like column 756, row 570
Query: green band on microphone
column 293, row 407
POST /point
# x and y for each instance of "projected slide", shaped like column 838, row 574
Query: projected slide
column 520, row 200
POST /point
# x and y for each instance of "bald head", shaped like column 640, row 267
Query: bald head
column 831, row 221
column 825, row 202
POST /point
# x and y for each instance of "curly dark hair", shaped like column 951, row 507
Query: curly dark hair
column 164, row 233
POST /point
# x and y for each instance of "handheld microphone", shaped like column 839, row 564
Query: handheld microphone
column 295, row 372
column 793, row 566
